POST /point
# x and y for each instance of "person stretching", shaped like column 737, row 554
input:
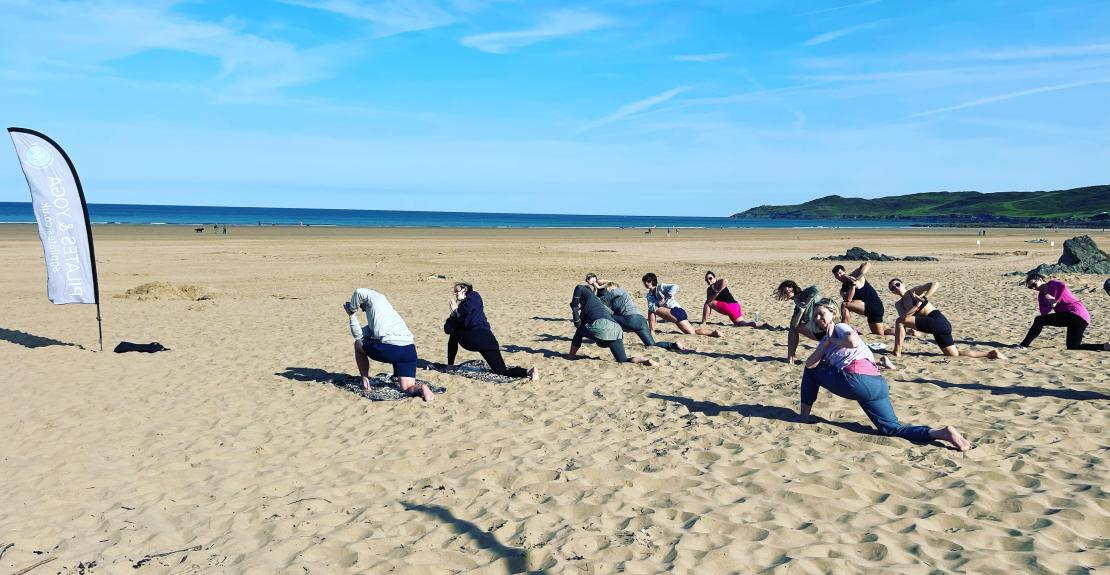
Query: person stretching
column 385, row 338
column 845, row 366
column 861, row 297
column 594, row 320
column 915, row 311
column 629, row 317
column 719, row 299
column 802, row 321
column 662, row 303
column 1059, row 308
column 467, row 326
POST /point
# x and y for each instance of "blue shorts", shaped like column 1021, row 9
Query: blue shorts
column 401, row 357
column 679, row 314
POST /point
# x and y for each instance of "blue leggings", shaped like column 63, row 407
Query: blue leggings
column 870, row 391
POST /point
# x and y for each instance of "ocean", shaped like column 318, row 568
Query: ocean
column 20, row 212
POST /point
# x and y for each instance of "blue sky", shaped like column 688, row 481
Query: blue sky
column 698, row 107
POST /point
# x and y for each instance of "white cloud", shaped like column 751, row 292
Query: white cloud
column 1010, row 96
column 388, row 17
column 842, row 32
column 1044, row 52
column 714, row 57
column 842, row 7
column 639, row 106
column 86, row 41
column 557, row 24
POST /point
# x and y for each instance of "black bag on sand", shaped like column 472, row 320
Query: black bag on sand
column 126, row 346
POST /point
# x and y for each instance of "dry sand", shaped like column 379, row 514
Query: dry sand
column 232, row 444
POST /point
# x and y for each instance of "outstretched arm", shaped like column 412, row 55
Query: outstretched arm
column 926, row 290
column 818, row 354
column 861, row 271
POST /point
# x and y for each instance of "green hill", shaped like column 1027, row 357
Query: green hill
column 1076, row 204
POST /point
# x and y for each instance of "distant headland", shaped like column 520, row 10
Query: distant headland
column 1077, row 207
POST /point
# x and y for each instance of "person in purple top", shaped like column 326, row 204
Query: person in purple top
column 467, row 326
column 1062, row 309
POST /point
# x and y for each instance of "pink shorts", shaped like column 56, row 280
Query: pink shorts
column 732, row 310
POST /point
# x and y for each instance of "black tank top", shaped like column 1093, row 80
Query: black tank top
column 724, row 297
column 865, row 294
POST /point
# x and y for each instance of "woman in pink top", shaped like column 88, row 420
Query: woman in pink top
column 1059, row 308
column 845, row 366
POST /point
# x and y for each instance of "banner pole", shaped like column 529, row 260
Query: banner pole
column 99, row 325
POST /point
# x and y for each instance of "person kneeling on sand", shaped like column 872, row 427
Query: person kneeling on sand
column 625, row 312
column 663, row 304
column 845, row 366
column 718, row 298
column 916, row 312
column 594, row 320
column 385, row 338
column 467, row 326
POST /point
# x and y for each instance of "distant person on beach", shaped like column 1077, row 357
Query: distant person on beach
column 845, row 366
column 594, row 320
column 662, row 303
column 719, row 299
column 467, row 326
column 1062, row 309
column 802, row 321
column 625, row 312
column 916, row 312
column 860, row 297
column 385, row 338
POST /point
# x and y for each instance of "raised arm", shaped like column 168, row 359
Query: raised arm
column 926, row 290
column 861, row 270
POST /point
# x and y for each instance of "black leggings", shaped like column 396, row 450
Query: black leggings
column 638, row 325
column 1075, row 324
column 483, row 342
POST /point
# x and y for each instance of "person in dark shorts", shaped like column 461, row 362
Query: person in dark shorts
column 594, row 320
column 385, row 338
column 860, row 297
column 663, row 304
column 468, row 327
column 915, row 311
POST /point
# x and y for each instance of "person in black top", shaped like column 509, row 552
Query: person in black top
column 718, row 298
column 860, row 297
column 467, row 326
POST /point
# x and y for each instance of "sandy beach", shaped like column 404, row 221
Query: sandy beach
column 232, row 453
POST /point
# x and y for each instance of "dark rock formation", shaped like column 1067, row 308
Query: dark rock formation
column 858, row 254
column 1081, row 256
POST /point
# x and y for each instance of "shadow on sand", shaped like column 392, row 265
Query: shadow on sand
column 30, row 340
column 1022, row 390
column 516, row 560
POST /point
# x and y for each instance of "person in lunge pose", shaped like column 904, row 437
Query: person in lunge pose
column 594, row 320
column 845, row 366
column 718, row 298
column 385, row 338
column 467, row 326
column 1062, row 309
column 915, row 311
column 628, row 316
column 802, row 321
column 861, row 297
column 662, row 303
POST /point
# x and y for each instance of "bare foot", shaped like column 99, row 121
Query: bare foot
column 533, row 374
column 952, row 436
column 885, row 362
column 366, row 384
column 715, row 333
column 426, row 392
column 995, row 354
column 649, row 363
column 678, row 347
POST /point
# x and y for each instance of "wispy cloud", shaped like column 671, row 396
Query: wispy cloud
column 99, row 34
column 713, row 57
column 842, row 32
column 387, row 17
column 1045, row 52
column 639, row 106
column 1010, row 96
column 841, row 7
column 554, row 25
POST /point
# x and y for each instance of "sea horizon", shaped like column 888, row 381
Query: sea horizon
column 155, row 214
